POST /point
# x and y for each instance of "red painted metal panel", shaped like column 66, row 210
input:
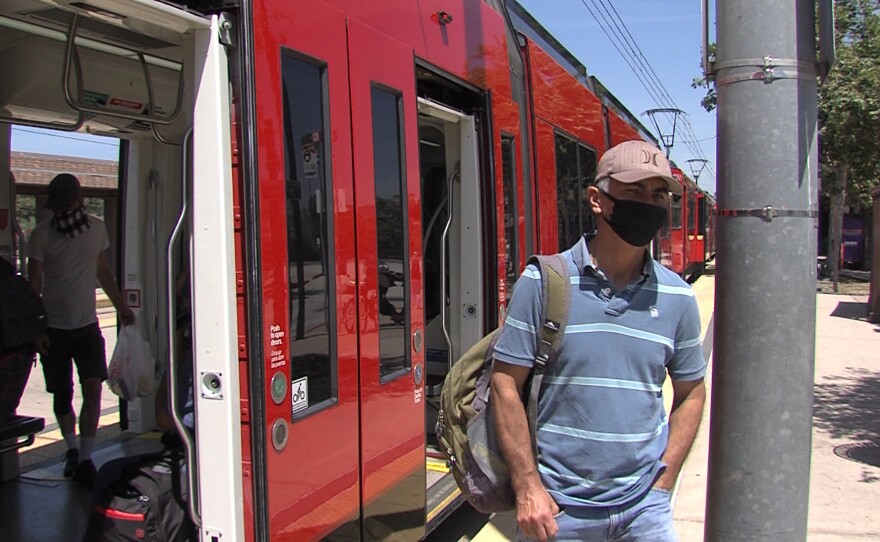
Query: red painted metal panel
column 242, row 320
column 472, row 46
column 621, row 130
column 506, row 120
column 545, row 180
column 313, row 483
column 696, row 251
column 563, row 101
column 677, row 237
column 392, row 414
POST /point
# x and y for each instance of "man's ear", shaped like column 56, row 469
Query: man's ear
column 593, row 200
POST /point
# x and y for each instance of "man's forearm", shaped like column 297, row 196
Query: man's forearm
column 512, row 428
column 684, row 421
column 108, row 284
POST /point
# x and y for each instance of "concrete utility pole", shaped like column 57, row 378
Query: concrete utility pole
column 765, row 300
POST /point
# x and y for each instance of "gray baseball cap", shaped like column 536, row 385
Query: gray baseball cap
column 634, row 161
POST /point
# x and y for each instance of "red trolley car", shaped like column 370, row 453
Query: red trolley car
column 352, row 187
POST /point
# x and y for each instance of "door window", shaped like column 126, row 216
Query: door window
column 511, row 211
column 691, row 212
column 309, row 231
column 675, row 212
column 391, row 243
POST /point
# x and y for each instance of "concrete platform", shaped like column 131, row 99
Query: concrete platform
column 37, row 402
column 845, row 474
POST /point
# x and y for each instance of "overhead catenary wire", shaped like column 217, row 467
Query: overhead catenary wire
column 65, row 136
column 615, row 29
column 640, row 58
column 617, row 42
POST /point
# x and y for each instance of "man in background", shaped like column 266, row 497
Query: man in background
column 66, row 258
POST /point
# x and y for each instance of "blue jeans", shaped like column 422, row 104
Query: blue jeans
column 648, row 519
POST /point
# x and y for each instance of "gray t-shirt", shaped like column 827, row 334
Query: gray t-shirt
column 69, row 272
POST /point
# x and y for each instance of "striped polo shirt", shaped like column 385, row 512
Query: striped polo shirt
column 602, row 427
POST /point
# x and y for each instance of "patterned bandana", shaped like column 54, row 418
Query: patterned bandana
column 72, row 223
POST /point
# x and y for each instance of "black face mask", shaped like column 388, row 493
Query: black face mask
column 635, row 222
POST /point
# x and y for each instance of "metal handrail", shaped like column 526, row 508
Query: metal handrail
column 443, row 250
column 185, row 437
column 74, row 103
column 160, row 138
column 73, row 127
column 47, row 125
column 151, row 100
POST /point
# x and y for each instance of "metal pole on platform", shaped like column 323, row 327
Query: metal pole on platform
column 765, row 300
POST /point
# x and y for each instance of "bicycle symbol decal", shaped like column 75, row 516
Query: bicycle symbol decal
column 299, row 393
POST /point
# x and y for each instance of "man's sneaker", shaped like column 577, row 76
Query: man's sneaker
column 85, row 474
column 71, row 460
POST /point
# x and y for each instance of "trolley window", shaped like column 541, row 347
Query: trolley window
column 692, row 212
column 575, row 169
column 511, row 211
column 309, row 235
column 701, row 209
column 675, row 212
column 391, row 245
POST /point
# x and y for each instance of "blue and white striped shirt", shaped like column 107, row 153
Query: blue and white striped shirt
column 602, row 427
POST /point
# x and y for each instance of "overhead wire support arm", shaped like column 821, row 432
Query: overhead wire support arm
column 696, row 166
column 668, row 139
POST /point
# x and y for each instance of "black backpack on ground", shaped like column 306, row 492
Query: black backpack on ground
column 22, row 315
column 141, row 498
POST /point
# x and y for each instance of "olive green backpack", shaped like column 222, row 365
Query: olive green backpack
column 465, row 426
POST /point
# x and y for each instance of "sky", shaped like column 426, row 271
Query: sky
column 29, row 139
column 665, row 34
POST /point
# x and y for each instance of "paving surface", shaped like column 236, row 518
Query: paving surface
column 845, row 475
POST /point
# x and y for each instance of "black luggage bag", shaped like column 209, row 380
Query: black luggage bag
column 141, row 498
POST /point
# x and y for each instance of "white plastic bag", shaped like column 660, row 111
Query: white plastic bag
column 132, row 371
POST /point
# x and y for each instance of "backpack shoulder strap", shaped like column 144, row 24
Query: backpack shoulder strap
column 555, row 304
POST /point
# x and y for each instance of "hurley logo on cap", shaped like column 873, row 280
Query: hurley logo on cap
column 634, row 161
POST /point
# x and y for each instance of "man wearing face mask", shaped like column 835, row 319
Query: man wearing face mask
column 66, row 259
column 608, row 454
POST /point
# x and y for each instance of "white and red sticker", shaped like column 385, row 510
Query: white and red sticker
column 129, row 105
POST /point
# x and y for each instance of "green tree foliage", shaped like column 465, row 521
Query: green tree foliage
column 849, row 110
column 848, row 115
column 709, row 101
column 26, row 212
column 849, row 104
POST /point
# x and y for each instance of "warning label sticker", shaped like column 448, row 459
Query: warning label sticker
column 128, row 105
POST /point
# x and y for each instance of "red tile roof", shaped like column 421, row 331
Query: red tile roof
column 33, row 169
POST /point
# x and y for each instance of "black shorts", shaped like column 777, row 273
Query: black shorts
column 85, row 346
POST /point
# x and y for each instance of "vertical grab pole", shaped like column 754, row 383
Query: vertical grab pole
column 444, row 241
column 185, row 437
